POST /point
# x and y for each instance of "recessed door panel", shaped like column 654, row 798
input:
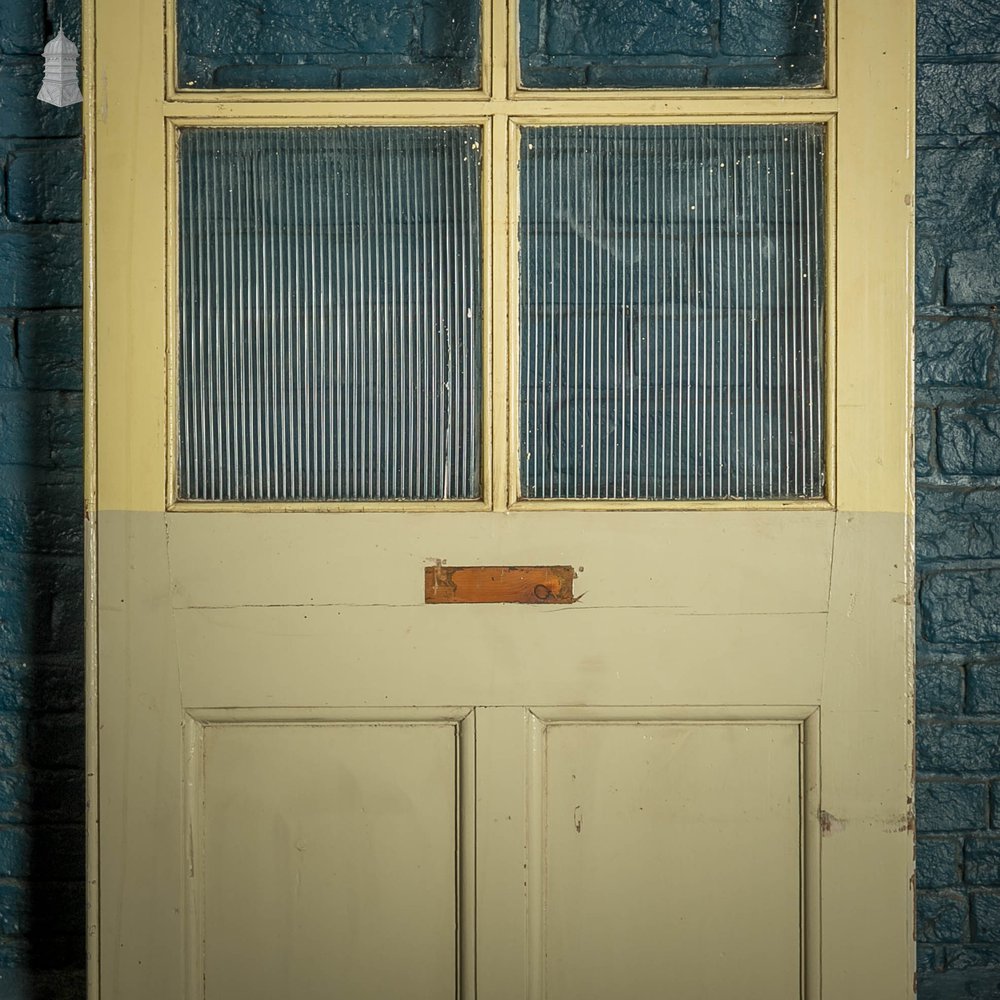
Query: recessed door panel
column 326, row 863
column 669, row 859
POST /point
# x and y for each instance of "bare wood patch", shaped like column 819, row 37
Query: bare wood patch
column 498, row 584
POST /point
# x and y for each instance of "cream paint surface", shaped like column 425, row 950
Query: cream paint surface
column 623, row 559
column 751, row 739
column 338, row 844
column 657, row 875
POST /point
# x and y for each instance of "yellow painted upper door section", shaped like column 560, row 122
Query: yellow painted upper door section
column 694, row 778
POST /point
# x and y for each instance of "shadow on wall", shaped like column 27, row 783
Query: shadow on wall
column 42, row 911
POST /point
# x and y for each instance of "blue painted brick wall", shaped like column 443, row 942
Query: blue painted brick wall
column 957, row 468
column 958, row 499
column 42, row 939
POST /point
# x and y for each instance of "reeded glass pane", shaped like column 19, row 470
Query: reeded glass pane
column 682, row 43
column 672, row 312
column 333, row 45
column 330, row 301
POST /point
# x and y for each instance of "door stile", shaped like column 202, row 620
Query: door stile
column 501, row 854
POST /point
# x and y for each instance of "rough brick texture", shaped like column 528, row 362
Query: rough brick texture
column 301, row 43
column 958, row 499
column 685, row 43
column 42, row 925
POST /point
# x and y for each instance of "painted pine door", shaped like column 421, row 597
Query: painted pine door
column 671, row 754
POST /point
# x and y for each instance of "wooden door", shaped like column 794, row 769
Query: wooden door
column 690, row 778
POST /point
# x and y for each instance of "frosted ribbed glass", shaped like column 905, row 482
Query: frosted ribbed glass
column 330, row 303
column 672, row 329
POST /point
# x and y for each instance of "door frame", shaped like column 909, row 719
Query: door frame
column 872, row 462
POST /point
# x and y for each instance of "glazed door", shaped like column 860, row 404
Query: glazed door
column 501, row 514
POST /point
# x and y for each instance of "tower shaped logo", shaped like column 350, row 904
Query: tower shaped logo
column 59, row 85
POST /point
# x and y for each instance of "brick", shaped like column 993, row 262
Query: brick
column 942, row 918
column 41, row 429
column 15, row 797
column 931, row 273
column 956, row 27
column 956, row 204
column 957, row 524
column 66, row 13
column 41, row 518
column 972, row 984
column 42, row 267
column 940, row 689
column 14, row 908
column 45, row 353
column 15, row 851
column 969, row 439
column 929, row 958
column 22, row 115
column 950, row 806
column 23, row 27
column 643, row 76
column 958, row 224
column 982, row 861
column 958, row 99
column 961, row 606
column 13, row 739
column 750, row 74
column 983, row 689
column 972, row 278
column 58, row 853
column 954, row 352
column 441, row 32
column 645, row 43
column 958, row 748
column 972, row 956
column 276, row 76
column 426, row 74
column 985, row 912
column 14, row 954
column 581, row 27
column 995, row 805
column 55, row 741
column 938, row 865
column 41, row 605
column 41, row 797
column 771, row 27
column 923, row 418
column 45, row 183
column 36, row 685
column 297, row 43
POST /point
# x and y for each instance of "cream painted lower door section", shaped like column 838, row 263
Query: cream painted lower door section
column 620, row 797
